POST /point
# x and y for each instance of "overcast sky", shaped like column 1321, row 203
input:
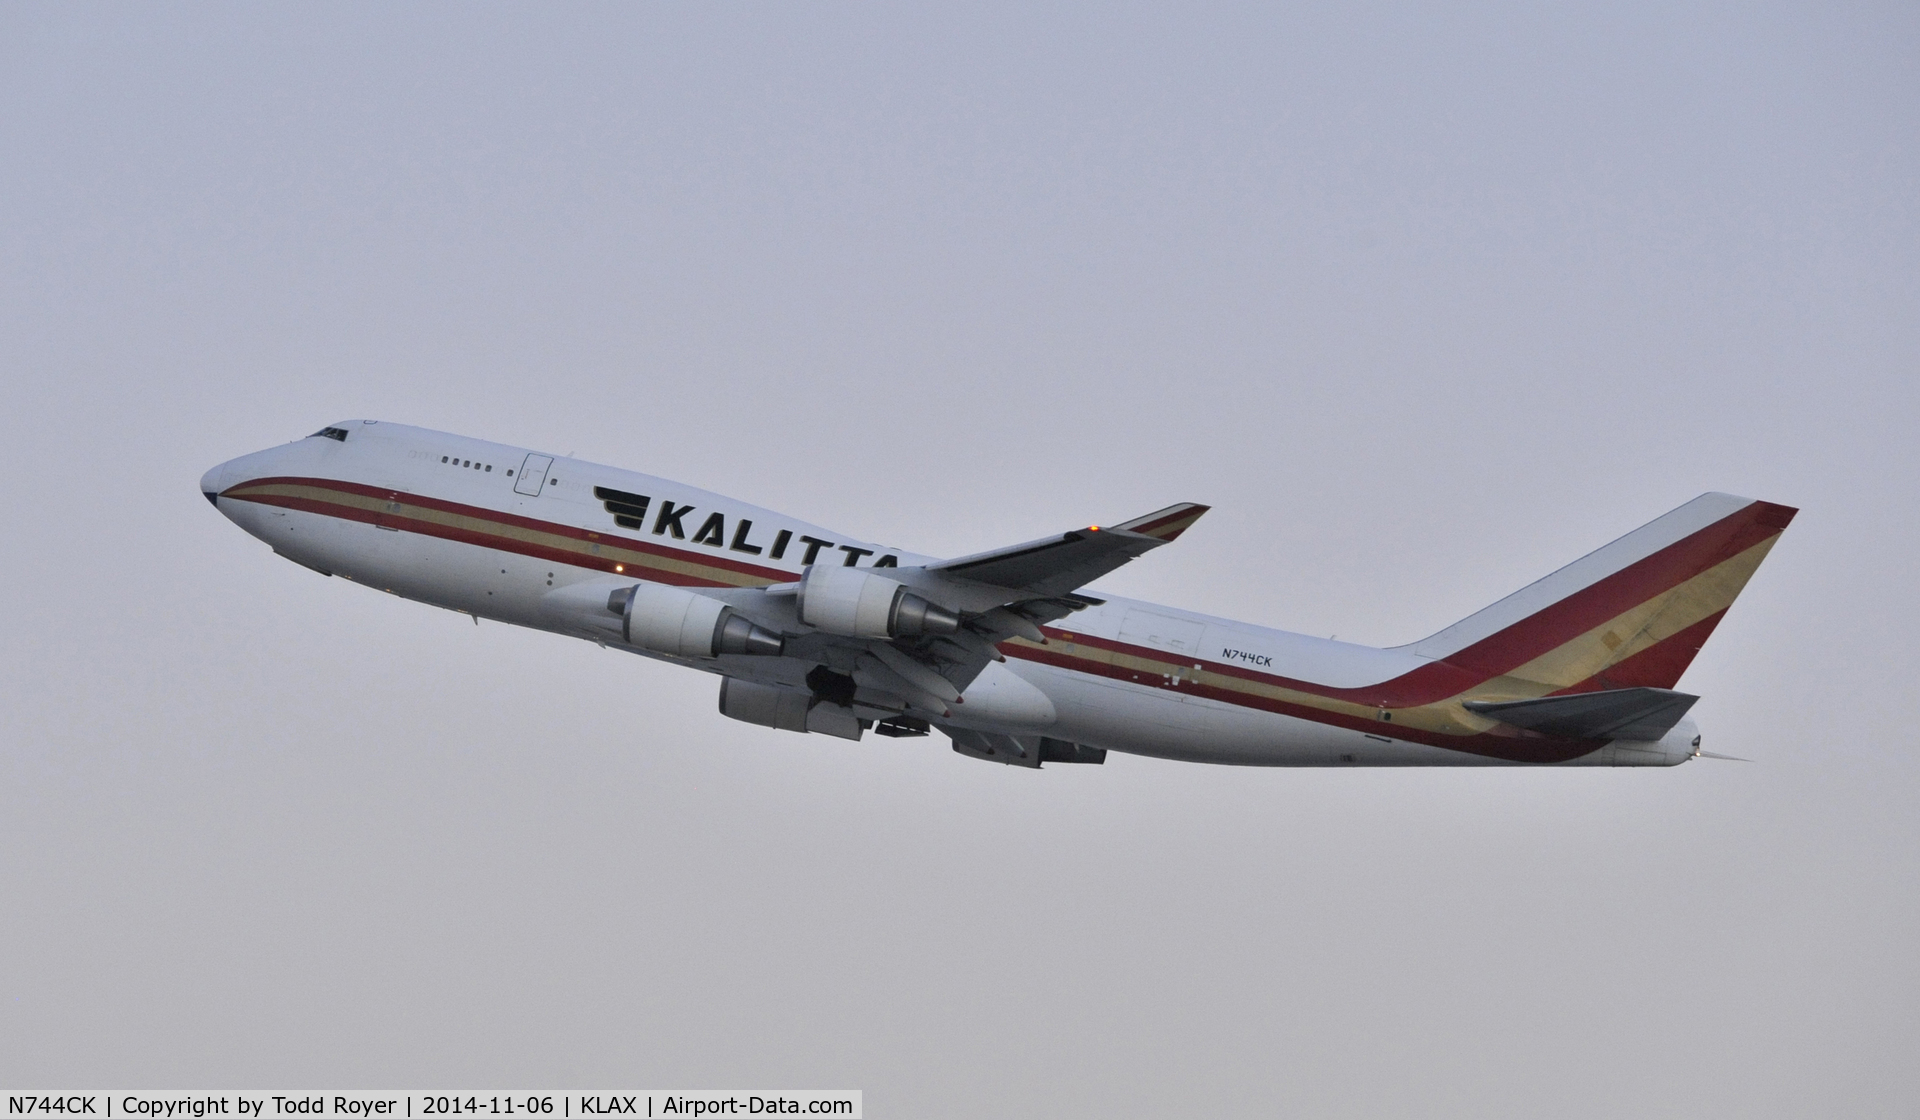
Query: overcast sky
column 1424, row 301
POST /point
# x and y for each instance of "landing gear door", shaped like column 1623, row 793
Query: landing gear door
column 533, row 475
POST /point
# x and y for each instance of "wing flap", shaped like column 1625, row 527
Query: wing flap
column 1021, row 750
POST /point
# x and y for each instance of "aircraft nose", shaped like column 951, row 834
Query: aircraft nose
column 213, row 482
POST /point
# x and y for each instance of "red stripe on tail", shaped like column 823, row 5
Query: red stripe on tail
column 1620, row 592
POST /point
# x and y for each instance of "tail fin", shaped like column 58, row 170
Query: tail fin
column 1631, row 615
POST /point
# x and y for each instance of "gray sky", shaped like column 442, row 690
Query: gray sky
column 1425, row 302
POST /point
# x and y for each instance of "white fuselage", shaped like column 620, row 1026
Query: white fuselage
column 1124, row 675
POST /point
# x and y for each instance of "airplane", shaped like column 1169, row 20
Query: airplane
column 1008, row 653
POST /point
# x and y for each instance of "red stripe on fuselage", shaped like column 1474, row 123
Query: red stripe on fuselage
column 1515, row 746
column 504, row 544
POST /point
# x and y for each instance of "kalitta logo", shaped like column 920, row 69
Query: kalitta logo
column 1259, row 659
column 630, row 512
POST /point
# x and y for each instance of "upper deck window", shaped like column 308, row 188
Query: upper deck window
column 332, row 433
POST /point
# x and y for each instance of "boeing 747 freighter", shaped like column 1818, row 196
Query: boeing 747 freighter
column 1008, row 653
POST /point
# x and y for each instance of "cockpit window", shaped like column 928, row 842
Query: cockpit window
column 332, row 433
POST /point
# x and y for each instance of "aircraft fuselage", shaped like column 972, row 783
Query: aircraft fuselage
column 523, row 537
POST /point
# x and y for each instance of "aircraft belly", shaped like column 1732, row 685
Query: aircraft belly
column 1124, row 717
column 1136, row 719
column 1158, row 723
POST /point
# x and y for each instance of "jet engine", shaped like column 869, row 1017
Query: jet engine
column 682, row 623
column 855, row 603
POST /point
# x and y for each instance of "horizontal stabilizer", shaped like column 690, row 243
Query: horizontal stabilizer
column 1622, row 713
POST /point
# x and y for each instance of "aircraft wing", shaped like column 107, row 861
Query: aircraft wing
column 1058, row 565
column 1008, row 592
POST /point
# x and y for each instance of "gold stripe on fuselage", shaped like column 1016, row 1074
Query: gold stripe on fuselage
column 593, row 552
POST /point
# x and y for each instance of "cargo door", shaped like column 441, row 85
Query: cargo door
column 1175, row 643
column 533, row 475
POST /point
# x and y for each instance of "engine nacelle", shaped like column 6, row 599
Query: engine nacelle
column 856, row 603
column 682, row 623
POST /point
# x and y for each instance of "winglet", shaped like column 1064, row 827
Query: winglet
column 1165, row 524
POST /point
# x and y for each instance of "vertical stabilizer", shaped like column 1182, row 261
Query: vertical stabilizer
column 1630, row 615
